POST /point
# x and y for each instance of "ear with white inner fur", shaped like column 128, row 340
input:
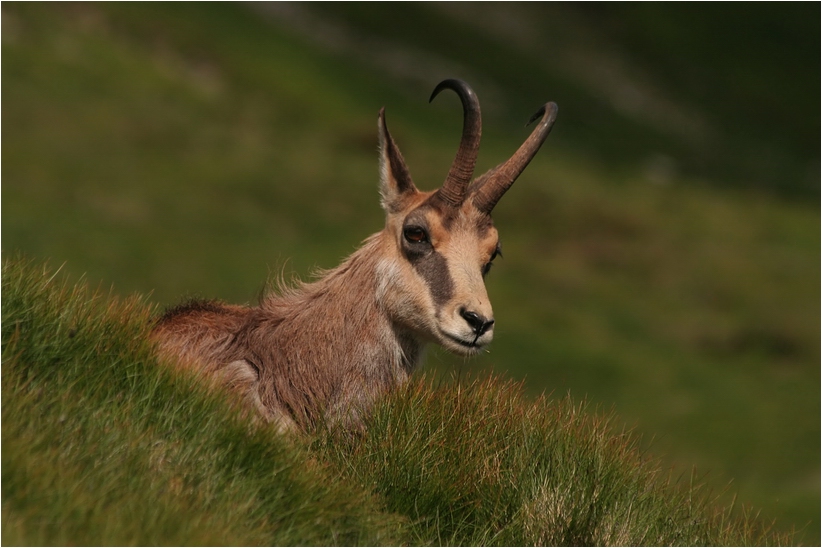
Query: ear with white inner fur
column 395, row 180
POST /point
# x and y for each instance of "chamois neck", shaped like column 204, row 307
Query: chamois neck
column 346, row 305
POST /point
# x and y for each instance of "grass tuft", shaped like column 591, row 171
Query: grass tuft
column 481, row 464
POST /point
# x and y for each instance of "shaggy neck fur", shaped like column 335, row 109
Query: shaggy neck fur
column 331, row 342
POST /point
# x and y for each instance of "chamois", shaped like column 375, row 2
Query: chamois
column 329, row 348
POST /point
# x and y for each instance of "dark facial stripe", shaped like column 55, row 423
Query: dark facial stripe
column 428, row 263
column 434, row 270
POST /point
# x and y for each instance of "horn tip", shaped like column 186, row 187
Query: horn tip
column 454, row 84
column 441, row 86
column 548, row 111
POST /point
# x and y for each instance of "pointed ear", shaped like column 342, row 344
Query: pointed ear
column 395, row 181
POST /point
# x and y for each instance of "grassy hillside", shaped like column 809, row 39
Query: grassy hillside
column 661, row 252
column 101, row 445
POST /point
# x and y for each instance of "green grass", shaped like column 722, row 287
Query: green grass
column 475, row 462
column 102, row 445
column 195, row 149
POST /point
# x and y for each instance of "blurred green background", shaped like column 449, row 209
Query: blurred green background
column 662, row 252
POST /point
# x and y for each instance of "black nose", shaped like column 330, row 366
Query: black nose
column 478, row 323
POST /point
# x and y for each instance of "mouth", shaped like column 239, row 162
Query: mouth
column 468, row 346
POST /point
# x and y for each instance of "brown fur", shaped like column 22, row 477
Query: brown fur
column 329, row 348
column 307, row 354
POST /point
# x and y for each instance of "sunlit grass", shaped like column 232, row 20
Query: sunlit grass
column 476, row 462
column 102, row 445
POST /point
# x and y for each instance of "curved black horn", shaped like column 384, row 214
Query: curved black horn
column 500, row 179
column 453, row 190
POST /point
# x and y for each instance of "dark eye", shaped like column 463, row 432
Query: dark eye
column 415, row 234
column 487, row 268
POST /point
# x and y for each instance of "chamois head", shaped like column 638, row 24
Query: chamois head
column 444, row 242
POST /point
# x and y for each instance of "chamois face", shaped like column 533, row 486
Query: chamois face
column 441, row 256
column 439, row 245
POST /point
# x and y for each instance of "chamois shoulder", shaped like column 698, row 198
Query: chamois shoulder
column 198, row 308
